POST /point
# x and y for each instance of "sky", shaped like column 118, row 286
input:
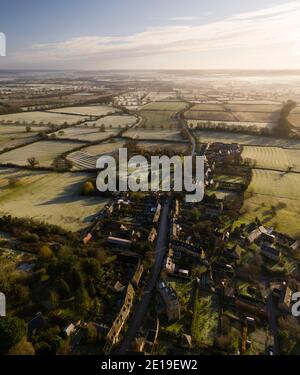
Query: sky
column 153, row 34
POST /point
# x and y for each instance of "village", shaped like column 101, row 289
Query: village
column 147, row 272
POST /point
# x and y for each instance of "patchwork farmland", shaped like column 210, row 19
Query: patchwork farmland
column 158, row 121
column 260, row 115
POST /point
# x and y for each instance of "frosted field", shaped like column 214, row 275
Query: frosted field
column 206, row 136
column 51, row 197
column 157, row 134
column 10, row 143
column 87, row 157
column 39, row 117
column 278, row 190
column 85, row 133
column 194, row 123
column 296, row 110
column 97, row 110
column 12, row 136
column 156, row 96
column 103, row 148
column 115, row 121
column 294, row 119
column 254, row 107
column 150, row 146
column 175, row 106
column 158, row 119
column 208, row 107
column 82, row 161
column 271, row 117
column 251, row 102
column 44, row 151
column 273, row 157
column 206, row 115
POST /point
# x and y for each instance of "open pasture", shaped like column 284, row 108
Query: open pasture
column 84, row 133
column 151, row 146
column 274, row 197
column 294, row 119
column 157, row 135
column 206, row 136
column 95, row 110
column 104, row 148
column 158, row 119
column 86, row 158
column 175, row 106
column 273, row 158
column 208, row 107
column 154, row 96
column 266, row 117
column 113, row 121
column 40, row 118
column 209, row 115
column 265, row 108
column 44, row 151
column 51, row 197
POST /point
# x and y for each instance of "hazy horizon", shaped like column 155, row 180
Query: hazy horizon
column 135, row 35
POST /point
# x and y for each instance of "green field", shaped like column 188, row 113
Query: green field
column 273, row 157
column 209, row 115
column 161, row 114
column 174, row 106
column 274, row 197
column 205, row 319
column 51, row 197
column 208, row 107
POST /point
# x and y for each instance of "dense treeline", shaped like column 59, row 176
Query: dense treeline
column 284, row 127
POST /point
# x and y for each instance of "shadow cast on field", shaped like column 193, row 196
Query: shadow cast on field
column 71, row 194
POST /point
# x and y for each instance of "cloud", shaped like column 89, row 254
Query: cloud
column 270, row 26
column 190, row 18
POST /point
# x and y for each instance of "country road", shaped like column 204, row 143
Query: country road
column 142, row 306
column 160, row 251
column 272, row 322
